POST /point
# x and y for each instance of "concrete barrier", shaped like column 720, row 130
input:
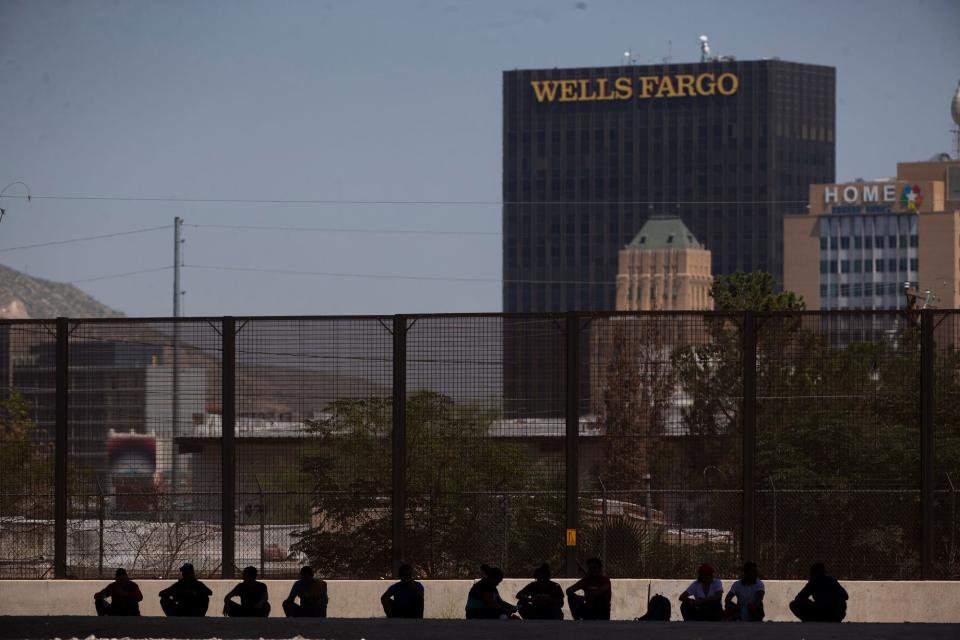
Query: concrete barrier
column 869, row 601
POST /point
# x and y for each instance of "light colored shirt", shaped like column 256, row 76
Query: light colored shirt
column 746, row 593
column 696, row 589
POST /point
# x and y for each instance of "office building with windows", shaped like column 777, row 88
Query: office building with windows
column 728, row 146
column 864, row 243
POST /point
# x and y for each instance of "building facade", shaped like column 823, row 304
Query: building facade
column 863, row 243
column 588, row 154
column 664, row 268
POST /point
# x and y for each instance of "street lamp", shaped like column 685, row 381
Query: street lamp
column 4, row 191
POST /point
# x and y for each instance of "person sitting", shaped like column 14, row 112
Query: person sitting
column 313, row 597
column 484, row 601
column 124, row 597
column 701, row 600
column 542, row 599
column 403, row 599
column 187, row 596
column 822, row 599
column 749, row 592
column 594, row 604
column 253, row 598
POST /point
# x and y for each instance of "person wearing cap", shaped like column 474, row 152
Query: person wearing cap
column 313, row 597
column 594, row 604
column 749, row 592
column 542, row 599
column 253, row 597
column 701, row 600
column 124, row 595
column 187, row 596
column 822, row 599
column 403, row 599
column 484, row 601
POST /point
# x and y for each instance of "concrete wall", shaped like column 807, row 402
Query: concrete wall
column 869, row 601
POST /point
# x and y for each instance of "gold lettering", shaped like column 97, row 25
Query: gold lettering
column 733, row 85
column 568, row 90
column 585, row 95
column 603, row 92
column 545, row 89
column 685, row 85
column 709, row 89
column 624, row 88
column 666, row 88
column 647, row 83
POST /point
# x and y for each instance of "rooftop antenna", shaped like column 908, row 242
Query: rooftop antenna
column 955, row 113
column 705, row 49
column 628, row 57
column 669, row 57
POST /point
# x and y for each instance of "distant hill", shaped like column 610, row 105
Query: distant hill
column 23, row 296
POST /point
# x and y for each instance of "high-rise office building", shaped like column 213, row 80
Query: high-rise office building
column 589, row 154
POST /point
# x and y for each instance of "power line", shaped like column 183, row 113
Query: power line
column 84, row 239
column 122, row 275
column 345, row 230
column 384, row 276
column 483, row 203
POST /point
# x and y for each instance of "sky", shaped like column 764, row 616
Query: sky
column 386, row 115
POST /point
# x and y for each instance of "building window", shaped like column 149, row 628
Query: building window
column 892, row 265
column 844, row 290
column 868, row 242
column 868, row 266
column 879, row 266
column 823, row 243
column 833, row 243
column 833, row 266
column 856, row 289
column 914, row 241
column 834, row 290
column 857, row 266
column 879, row 242
column 823, row 291
column 857, row 242
column 914, row 265
column 903, row 241
column 845, row 266
column 892, row 242
column 845, row 242
column 903, row 265
column 824, row 266
column 868, row 289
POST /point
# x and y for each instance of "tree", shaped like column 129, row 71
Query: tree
column 469, row 495
column 755, row 291
column 26, row 466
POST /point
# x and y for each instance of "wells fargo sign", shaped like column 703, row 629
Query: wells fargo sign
column 624, row 88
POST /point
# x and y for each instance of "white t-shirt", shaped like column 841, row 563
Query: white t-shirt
column 746, row 593
column 696, row 589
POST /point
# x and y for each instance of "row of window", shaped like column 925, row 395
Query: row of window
column 890, row 265
column 869, row 242
column 857, row 289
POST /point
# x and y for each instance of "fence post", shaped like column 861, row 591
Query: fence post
column 572, row 441
column 926, row 443
column 62, row 382
column 399, row 457
column 228, row 446
column 749, row 416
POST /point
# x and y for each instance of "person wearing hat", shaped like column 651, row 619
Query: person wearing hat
column 484, row 601
column 594, row 604
column 253, row 597
column 187, row 596
column 403, row 599
column 542, row 599
column 124, row 597
column 701, row 600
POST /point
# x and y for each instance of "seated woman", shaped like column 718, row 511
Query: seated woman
column 594, row 604
column 484, row 601
column 542, row 599
column 701, row 600
column 749, row 592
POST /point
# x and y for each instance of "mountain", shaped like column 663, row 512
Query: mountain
column 23, row 296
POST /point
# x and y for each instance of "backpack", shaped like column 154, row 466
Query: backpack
column 657, row 609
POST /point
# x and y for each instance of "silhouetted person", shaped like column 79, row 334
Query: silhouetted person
column 187, row 596
column 822, row 599
column 542, row 599
column 124, row 597
column 313, row 597
column 484, row 601
column 594, row 604
column 253, row 598
column 749, row 592
column 403, row 599
column 701, row 600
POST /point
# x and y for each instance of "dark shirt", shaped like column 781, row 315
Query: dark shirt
column 480, row 587
column 536, row 588
column 596, row 589
column 407, row 599
column 312, row 593
column 251, row 593
column 122, row 594
column 189, row 588
column 825, row 590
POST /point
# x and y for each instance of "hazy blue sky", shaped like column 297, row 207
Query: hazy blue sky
column 387, row 101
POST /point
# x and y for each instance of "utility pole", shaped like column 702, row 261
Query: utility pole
column 175, row 372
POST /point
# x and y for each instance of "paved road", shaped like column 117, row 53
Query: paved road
column 381, row 629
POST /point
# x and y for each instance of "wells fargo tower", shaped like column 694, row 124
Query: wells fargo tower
column 589, row 154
